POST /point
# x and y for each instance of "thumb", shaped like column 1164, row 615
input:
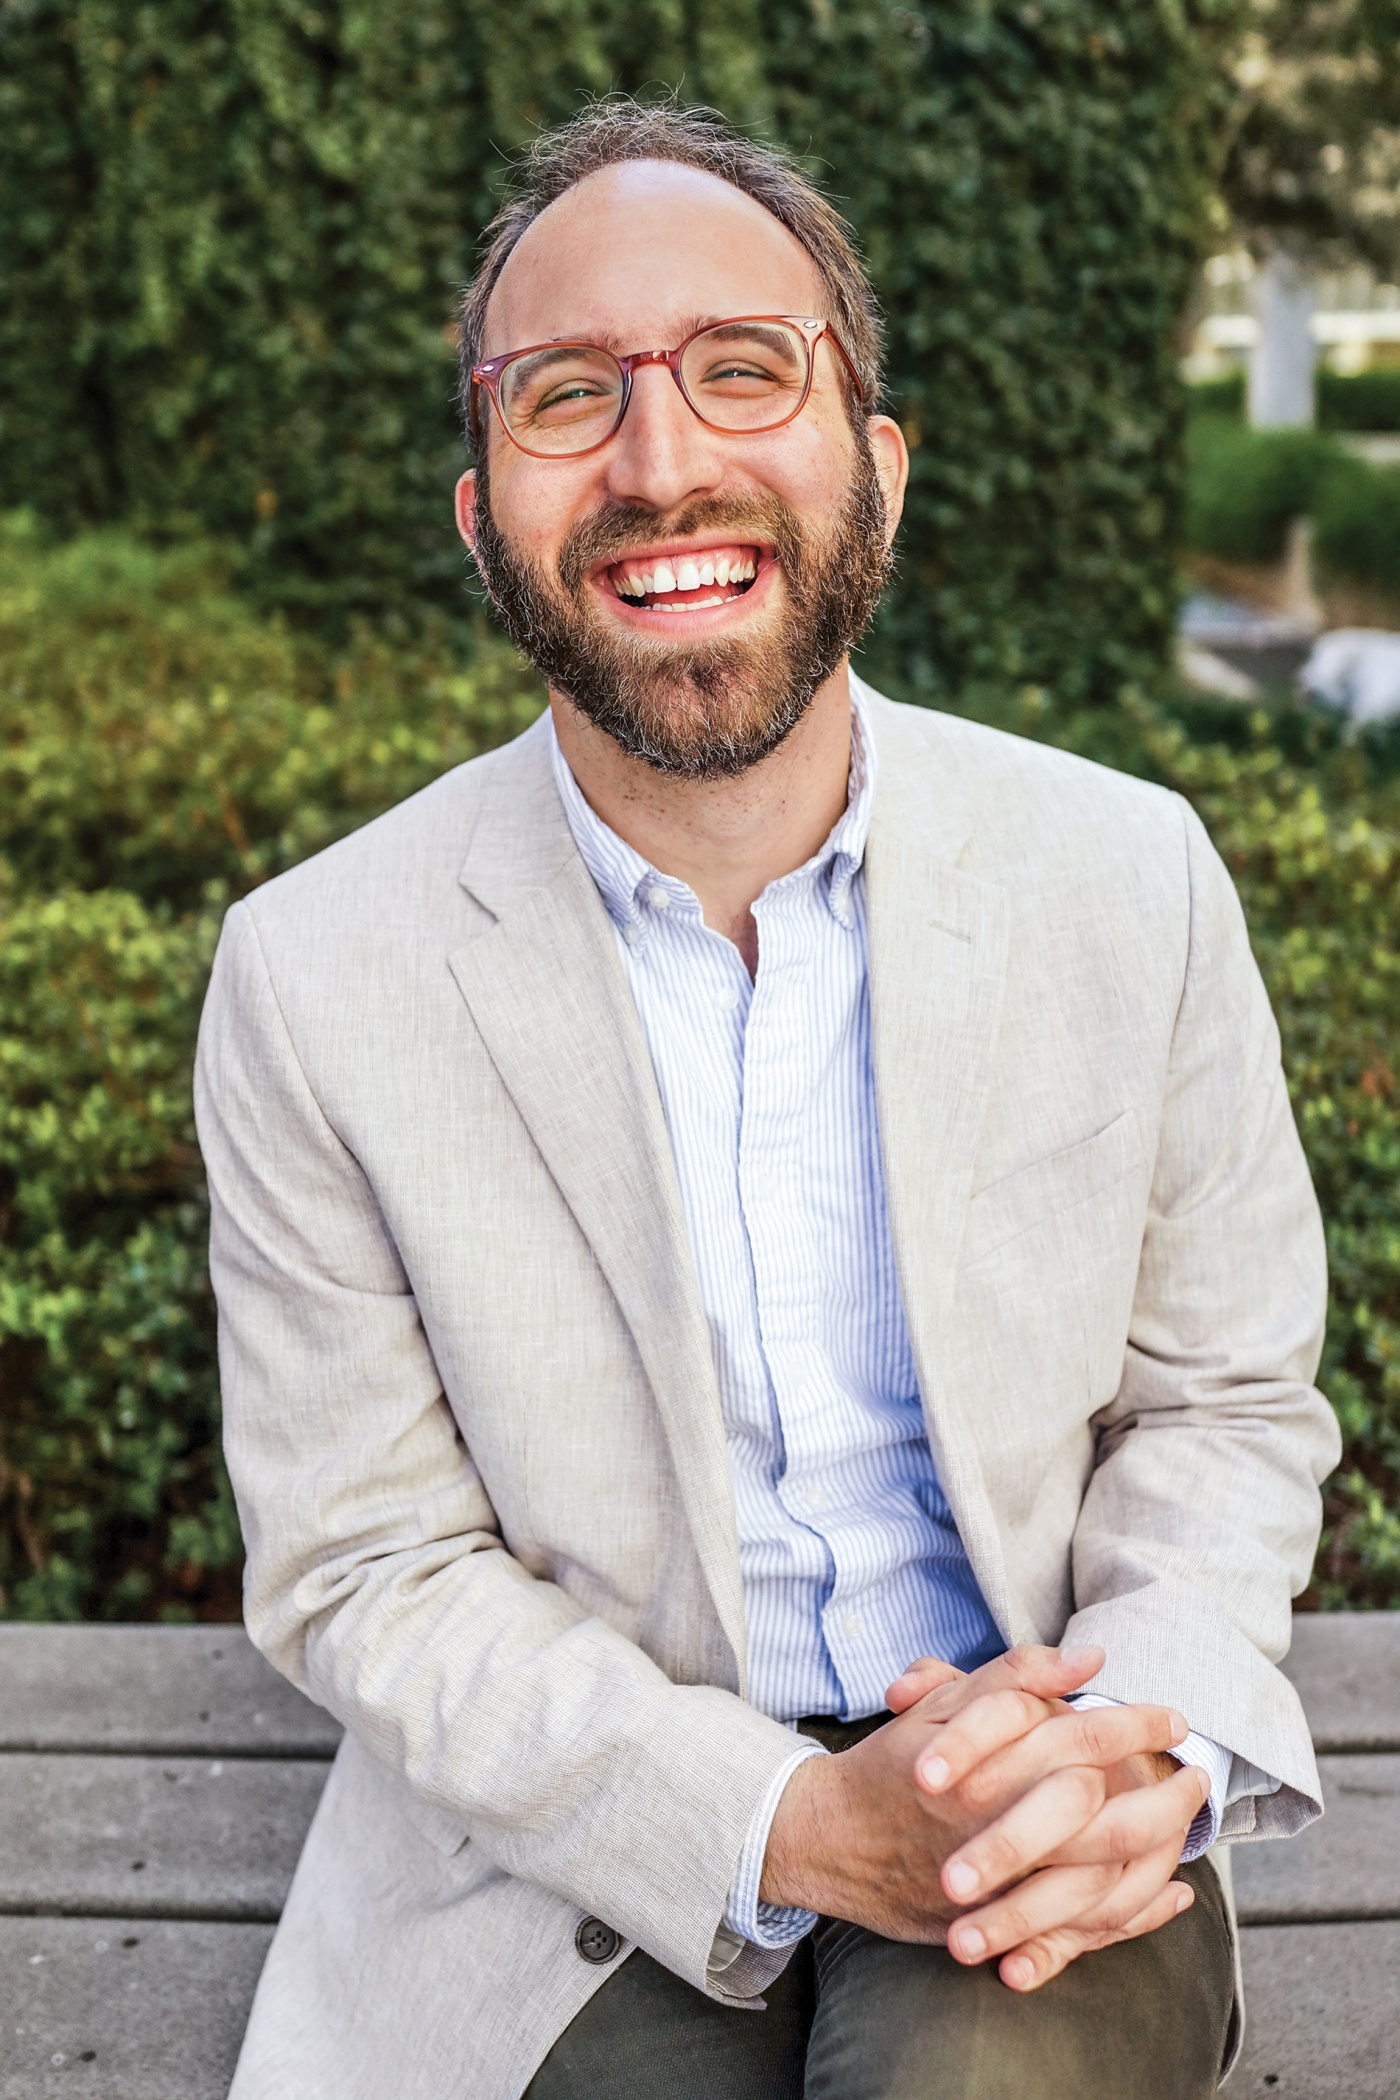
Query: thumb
column 922, row 1677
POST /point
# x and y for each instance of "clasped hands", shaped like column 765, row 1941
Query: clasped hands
column 993, row 1818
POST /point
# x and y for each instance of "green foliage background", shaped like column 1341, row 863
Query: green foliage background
column 163, row 748
column 232, row 622
column 231, row 233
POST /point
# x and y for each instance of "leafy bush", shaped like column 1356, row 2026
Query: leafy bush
column 1315, row 849
column 1218, row 397
column 231, row 235
column 162, row 749
column 1356, row 526
column 1360, row 400
column 165, row 748
column 1246, row 486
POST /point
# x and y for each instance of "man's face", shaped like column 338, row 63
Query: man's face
column 709, row 679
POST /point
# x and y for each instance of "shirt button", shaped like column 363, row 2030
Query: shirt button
column 817, row 1497
column 658, row 899
column 631, row 934
column 595, row 1941
column 727, row 1000
column 853, row 1626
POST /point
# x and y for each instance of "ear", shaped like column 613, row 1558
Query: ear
column 465, row 502
column 891, row 455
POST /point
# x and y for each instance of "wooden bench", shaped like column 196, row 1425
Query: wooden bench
column 156, row 1784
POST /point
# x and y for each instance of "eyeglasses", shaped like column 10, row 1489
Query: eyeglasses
column 560, row 400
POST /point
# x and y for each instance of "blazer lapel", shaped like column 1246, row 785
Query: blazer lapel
column 938, row 955
column 547, row 991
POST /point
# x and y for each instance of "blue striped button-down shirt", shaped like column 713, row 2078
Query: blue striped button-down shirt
column 852, row 1564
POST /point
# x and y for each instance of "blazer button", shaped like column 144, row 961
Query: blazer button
column 596, row 1941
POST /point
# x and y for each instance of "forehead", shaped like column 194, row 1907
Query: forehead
column 639, row 252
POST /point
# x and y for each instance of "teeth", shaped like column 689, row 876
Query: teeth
column 691, row 573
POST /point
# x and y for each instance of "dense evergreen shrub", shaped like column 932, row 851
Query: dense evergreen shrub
column 162, row 749
column 231, row 232
column 1246, row 486
column 1356, row 527
column 1314, row 844
column 1359, row 400
column 1218, row 397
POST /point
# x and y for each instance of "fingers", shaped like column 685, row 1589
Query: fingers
column 1034, row 1963
column 1041, row 1821
column 1038, row 1907
column 1046, row 1673
column 1098, row 1901
column 1130, row 1825
column 1097, row 1735
column 926, row 1675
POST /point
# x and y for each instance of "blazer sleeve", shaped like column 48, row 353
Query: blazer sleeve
column 377, row 1580
column 1202, row 1515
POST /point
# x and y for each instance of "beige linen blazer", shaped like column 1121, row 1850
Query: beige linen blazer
column 471, row 1412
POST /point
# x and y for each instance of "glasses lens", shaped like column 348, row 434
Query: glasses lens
column 746, row 375
column 561, row 399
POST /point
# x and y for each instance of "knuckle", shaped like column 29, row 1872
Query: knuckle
column 1098, row 1732
column 1088, row 1787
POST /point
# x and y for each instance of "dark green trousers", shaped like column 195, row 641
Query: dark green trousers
column 857, row 2017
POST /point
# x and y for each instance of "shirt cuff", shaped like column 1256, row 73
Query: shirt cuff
column 1231, row 1778
column 746, row 1919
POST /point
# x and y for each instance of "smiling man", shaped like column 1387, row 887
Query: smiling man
column 738, row 1221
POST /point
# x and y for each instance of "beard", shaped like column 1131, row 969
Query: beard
column 695, row 710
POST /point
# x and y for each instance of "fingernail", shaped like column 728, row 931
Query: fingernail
column 960, row 1879
column 1016, row 1972
column 1179, row 1725
column 971, row 1945
column 1184, row 1901
column 934, row 1774
column 1082, row 1658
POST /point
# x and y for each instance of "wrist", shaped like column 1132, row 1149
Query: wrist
column 809, row 1808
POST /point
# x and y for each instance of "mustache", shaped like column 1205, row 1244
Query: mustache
column 616, row 529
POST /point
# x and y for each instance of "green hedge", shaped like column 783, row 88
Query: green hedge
column 162, row 749
column 1359, row 400
column 1246, row 486
column 165, row 749
column 231, row 232
column 1345, row 400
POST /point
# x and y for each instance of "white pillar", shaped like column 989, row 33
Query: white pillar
column 1281, row 384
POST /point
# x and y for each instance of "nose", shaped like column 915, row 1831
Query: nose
column 663, row 455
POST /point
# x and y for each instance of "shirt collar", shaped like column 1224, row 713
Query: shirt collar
column 624, row 878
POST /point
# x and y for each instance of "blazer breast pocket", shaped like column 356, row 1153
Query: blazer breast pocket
column 1049, row 1188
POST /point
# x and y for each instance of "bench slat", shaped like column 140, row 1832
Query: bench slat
column 1346, row 1666
column 164, row 2018
column 1322, row 2013
column 157, row 1837
column 205, row 1688
column 185, row 1689
column 1346, row 1866
column 123, row 2009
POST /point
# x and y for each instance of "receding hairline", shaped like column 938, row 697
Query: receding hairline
column 619, row 171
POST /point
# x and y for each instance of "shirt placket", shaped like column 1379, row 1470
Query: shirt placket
column 781, row 1057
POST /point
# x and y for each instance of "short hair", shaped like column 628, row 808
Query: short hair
column 618, row 128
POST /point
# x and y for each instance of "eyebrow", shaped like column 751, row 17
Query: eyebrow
column 611, row 339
